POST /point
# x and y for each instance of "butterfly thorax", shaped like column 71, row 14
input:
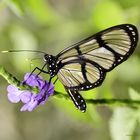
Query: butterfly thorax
column 52, row 64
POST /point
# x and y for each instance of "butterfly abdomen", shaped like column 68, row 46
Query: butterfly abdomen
column 77, row 99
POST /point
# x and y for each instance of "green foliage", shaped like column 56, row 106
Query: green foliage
column 122, row 123
column 107, row 13
column 41, row 11
column 22, row 39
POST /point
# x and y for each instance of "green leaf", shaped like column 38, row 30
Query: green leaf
column 122, row 123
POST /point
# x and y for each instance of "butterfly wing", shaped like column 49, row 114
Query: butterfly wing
column 81, row 74
column 84, row 65
column 108, row 48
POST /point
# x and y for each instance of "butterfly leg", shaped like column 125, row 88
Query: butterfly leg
column 55, row 81
column 77, row 99
column 40, row 70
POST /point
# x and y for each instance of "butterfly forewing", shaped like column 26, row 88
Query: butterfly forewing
column 114, row 44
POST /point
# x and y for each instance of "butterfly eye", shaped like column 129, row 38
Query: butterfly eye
column 46, row 57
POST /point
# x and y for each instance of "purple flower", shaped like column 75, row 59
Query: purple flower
column 31, row 100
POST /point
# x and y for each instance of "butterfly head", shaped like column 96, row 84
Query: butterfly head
column 52, row 65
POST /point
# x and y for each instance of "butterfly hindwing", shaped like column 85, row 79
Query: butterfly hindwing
column 81, row 74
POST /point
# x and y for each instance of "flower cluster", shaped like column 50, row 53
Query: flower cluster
column 31, row 100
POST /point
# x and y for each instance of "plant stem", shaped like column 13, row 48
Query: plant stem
column 122, row 102
column 14, row 81
column 113, row 102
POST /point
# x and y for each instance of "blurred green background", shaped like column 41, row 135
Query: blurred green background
column 50, row 26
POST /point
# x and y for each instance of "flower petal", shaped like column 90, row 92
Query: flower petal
column 26, row 96
column 13, row 98
column 33, row 80
column 32, row 105
column 29, row 106
column 12, row 88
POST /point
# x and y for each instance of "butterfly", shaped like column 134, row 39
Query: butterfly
column 84, row 65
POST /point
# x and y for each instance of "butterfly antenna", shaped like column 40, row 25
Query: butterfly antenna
column 36, row 51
